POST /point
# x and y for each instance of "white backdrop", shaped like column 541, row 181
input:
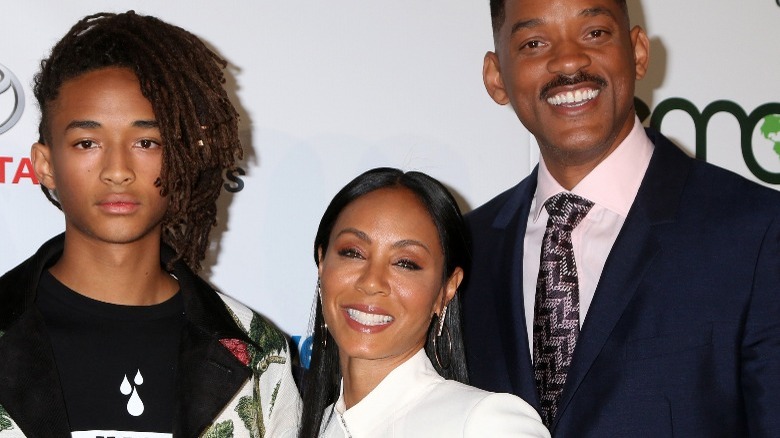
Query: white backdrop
column 328, row 89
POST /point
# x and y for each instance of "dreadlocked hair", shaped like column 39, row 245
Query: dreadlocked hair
column 183, row 79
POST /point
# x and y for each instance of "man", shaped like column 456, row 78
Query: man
column 623, row 288
column 107, row 330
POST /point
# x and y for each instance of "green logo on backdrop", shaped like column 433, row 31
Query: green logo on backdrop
column 771, row 130
column 768, row 115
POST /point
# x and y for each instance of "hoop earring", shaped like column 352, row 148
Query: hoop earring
column 443, row 360
column 324, row 325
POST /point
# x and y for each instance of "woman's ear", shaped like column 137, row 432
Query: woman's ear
column 320, row 256
column 450, row 288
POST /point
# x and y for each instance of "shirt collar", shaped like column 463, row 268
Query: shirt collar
column 612, row 184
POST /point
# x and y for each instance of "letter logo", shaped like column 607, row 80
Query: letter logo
column 765, row 115
column 10, row 114
column 236, row 184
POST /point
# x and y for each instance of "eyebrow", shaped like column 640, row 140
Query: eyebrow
column 593, row 12
column 527, row 24
column 411, row 242
column 589, row 12
column 359, row 234
column 146, row 124
column 91, row 124
column 400, row 244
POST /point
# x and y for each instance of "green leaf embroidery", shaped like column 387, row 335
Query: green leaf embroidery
column 273, row 397
column 250, row 412
column 5, row 419
column 220, row 430
column 271, row 342
column 268, row 338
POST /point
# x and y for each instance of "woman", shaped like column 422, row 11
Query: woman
column 388, row 356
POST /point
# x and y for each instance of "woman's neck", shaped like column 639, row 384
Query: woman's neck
column 361, row 376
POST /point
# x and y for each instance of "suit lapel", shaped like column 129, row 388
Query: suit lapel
column 208, row 377
column 510, row 224
column 208, row 374
column 631, row 255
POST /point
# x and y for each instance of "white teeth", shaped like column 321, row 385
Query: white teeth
column 369, row 319
column 573, row 97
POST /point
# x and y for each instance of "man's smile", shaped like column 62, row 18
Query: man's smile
column 573, row 98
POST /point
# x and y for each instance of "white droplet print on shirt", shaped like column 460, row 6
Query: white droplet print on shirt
column 125, row 387
column 135, row 406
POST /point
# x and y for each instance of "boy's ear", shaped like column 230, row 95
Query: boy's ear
column 40, row 154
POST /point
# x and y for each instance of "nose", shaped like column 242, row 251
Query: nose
column 568, row 58
column 373, row 279
column 117, row 166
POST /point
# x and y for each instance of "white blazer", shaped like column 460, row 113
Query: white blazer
column 415, row 401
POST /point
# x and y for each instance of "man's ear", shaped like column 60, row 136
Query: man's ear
column 40, row 154
column 641, row 45
column 491, row 75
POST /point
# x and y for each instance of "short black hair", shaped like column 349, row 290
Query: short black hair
column 321, row 382
column 183, row 80
column 498, row 12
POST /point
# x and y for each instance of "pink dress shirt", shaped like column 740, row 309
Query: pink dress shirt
column 612, row 186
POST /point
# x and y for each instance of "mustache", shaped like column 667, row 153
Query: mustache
column 563, row 81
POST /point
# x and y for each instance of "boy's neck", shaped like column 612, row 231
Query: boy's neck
column 126, row 274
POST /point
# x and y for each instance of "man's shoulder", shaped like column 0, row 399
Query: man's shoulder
column 706, row 180
column 506, row 202
column 730, row 192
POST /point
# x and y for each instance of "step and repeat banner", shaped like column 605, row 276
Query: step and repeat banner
column 328, row 89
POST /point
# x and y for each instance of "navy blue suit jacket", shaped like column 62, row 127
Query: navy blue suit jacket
column 683, row 335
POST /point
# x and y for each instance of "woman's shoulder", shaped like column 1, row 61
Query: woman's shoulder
column 468, row 397
column 483, row 413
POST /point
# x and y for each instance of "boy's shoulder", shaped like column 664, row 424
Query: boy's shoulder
column 268, row 405
column 268, row 339
column 17, row 286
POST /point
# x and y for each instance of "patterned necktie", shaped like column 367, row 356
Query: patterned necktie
column 557, row 304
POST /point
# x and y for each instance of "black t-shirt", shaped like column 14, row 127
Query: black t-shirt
column 117, row 364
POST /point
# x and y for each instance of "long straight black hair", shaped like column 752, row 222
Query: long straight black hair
column 321, row 382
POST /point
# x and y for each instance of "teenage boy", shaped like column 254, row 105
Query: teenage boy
column 107, row 330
